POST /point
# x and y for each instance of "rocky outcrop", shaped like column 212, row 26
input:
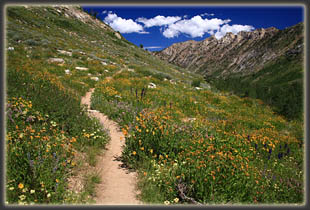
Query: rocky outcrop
column 75, row 12
column 56, row 60
column 244, row 53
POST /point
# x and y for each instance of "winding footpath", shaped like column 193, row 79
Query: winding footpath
column 118, row 186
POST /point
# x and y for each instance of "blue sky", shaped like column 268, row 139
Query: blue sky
column 159, row 27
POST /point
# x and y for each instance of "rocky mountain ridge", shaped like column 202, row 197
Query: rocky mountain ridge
column 244, row 53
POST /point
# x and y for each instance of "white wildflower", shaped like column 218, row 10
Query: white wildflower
column 167, row 202
column 22, row 197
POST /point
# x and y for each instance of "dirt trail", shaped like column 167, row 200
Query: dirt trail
column 117, row 184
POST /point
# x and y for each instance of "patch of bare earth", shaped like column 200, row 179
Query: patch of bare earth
column 118, row 185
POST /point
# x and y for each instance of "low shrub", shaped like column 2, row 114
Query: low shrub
column 196, row 83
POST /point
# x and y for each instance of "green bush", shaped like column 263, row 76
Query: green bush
column 162, row 76
column 196, row 83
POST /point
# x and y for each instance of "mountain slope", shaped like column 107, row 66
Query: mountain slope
column 264, row 58
column 245, row 53
column 54, row 56
column 181, row 140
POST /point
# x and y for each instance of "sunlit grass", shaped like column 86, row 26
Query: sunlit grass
column 224, row 148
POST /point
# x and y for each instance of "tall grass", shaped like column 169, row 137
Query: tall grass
column 215, row 147
column 43, row 136
column 219, row 148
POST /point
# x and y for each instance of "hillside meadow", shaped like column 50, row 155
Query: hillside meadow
column 209, row 145
column 220, row 148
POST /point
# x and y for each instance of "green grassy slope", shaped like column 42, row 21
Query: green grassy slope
column 280, row 82
column 217, row 145
column 221, row 148
column 37, row 34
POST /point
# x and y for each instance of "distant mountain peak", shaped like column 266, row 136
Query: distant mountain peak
column 245, row 52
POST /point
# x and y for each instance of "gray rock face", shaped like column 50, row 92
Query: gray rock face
column 75, row 12
column 95, row 78
column 151, row 85
column 65, row 52
column 56, row 60
column 81, row 68
column 118, row 35
column 245, row 52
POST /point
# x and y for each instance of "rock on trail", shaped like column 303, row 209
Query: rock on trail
column 118, row 186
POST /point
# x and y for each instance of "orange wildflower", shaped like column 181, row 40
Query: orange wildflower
column 20, row 186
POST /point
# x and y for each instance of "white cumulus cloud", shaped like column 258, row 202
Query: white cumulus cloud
column 173, row 26
column 159, row 20
column 123, row 25
column 153, row 47
column 195, row 27
column 232, row 28
column 207, row 14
